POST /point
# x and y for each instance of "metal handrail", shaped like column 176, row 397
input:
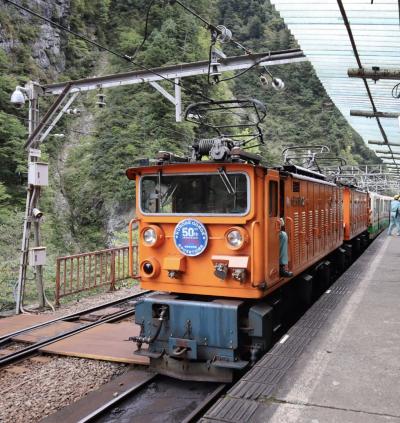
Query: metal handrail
column 130, row 253
column 82, row 272
column 252, row 258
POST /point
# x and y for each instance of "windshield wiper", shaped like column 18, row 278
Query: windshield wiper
column 164, row 198
column 225, row 180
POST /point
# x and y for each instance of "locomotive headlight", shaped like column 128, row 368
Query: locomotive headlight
column 149, row 237
column 236, row 237
column 152, row 236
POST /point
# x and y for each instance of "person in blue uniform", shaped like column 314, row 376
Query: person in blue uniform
column 394, row 215
column 283, row 252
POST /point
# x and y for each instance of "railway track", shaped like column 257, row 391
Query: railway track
column 125, row 308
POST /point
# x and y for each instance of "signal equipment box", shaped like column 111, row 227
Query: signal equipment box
column 38, row 174
column 37, row 256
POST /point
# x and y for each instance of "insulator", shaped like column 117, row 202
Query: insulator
column 225, row 34
column 264, row 80
column 278, row 84
column 73, row 111
column 215, row 72
column 101, row 100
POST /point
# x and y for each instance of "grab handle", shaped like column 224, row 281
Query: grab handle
column 131, row 270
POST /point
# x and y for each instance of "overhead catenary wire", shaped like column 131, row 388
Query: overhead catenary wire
column 145, row 29
column 217, row 30
column 244, row 71
column 48, row 125
column 163, row 129
column 125, row 56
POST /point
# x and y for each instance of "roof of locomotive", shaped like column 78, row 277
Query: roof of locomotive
column 155, row 167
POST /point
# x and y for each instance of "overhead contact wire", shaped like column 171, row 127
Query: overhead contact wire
column 48, row 125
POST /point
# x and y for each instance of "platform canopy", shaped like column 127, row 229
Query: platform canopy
column 337, row 35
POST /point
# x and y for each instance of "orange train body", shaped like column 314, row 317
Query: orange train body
column 318, row 215
column 356, row 212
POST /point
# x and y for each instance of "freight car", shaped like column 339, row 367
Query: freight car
column 209, row 238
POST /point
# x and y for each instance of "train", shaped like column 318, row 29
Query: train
column 209, row 247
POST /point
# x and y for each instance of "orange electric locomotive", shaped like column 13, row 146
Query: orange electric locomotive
column 210, row 241
column 241, row 227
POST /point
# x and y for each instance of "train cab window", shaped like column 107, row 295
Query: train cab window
column 195, row 194
column 273, row 198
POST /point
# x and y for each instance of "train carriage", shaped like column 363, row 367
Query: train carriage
column 313, row 215
column 379, row 213
column 355, row 210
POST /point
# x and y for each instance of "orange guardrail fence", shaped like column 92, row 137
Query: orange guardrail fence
column 82, row 272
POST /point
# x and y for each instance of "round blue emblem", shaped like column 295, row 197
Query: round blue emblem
column 190, row 237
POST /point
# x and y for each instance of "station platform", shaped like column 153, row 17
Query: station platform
column 340, row 362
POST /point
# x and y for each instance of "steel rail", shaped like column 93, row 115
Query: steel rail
column 21, row 354
column 105, row 407
column 192, row 417
column 205, row 404
column 68, row 317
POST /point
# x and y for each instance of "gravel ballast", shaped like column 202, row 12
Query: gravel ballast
column 45, row 387
column 37, row 387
